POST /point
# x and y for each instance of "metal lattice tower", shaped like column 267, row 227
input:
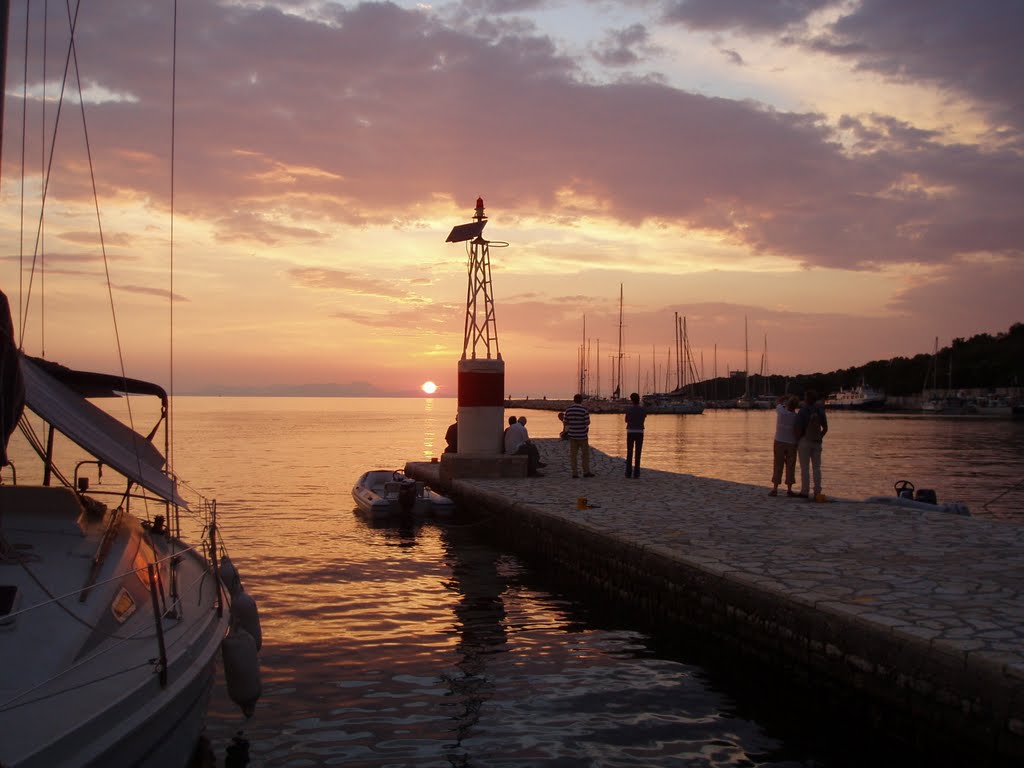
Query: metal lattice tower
column 481, row 330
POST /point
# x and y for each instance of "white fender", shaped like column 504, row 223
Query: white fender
column 229, row 576
column 242, row 670
column 245, row 615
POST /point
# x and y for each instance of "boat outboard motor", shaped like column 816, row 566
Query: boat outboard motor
column 407, row 496
column 904, row 489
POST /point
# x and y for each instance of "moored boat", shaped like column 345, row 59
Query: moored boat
column 115, row 595
column 953, row 508
column 671, row 404
column 382, row 493
column 922, row 499
column 862, row 397
column 993, row 406
column 946, row 406
column 110, row 619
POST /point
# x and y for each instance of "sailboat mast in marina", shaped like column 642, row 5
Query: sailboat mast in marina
column 618, row 368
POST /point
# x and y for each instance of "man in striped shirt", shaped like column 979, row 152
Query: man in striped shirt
column 577, row 425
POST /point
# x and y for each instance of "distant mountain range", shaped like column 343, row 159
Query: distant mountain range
column 352, row 389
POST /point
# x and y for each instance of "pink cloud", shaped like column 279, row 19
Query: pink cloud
column 386, row 108
column 289, row 128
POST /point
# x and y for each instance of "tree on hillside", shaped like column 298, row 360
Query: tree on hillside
column 980, row 362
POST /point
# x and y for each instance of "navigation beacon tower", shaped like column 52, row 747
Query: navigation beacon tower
column 481, row 369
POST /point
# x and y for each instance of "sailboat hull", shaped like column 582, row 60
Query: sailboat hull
column 82, row 682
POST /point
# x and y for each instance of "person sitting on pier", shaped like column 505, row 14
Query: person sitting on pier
column 517, row 442
column 451, row 437
column 511, row 421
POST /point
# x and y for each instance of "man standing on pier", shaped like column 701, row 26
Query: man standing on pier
column 635, row 416
column 577, row 424
column 811, row 426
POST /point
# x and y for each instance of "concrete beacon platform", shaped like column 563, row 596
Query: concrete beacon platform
column 916, row 616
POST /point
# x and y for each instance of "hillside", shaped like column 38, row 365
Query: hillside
column 980, row 362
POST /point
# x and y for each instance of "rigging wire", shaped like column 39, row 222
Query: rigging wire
column 24, row 306
column 103, row 246
column 47, row 173
column 42, row 166
column 170, row 298
column 24, row 134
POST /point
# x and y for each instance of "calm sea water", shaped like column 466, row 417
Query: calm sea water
column 424, row 646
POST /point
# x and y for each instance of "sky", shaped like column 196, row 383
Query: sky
column 812, row 184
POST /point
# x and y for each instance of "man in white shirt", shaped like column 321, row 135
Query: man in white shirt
column 517, row 441
column 515, row 436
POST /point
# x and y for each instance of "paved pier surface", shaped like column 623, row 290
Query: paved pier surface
column 920, row 614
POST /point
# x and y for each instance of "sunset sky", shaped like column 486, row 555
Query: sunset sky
column 846, row 176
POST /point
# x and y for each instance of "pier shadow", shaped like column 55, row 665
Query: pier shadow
column 814, row 722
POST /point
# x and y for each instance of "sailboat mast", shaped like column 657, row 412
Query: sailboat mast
column 675, row 335
column 715, row 393
column 5, row 13
column 746, row 357
column 583, row 363
column 618, row 373
column 691, row 365
column 764, row 366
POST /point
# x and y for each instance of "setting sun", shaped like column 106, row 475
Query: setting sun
column 429, row 387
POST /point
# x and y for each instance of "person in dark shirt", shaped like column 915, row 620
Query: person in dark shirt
column 811, row 426
column 451, row 437
column 635, row 416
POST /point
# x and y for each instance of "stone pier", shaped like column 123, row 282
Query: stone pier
column 915, row 616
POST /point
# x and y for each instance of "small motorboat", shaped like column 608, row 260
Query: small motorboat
column 385, row 492
column 923, row 499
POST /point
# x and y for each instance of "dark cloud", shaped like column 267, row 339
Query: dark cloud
column 501, row 6
column 289, row 127
column 145, row 291
column 623, row 47
column 85, row 237
column 733, row 57
column 440, row 318
column 759, row 16
column 972, row 48
column 260, row 227
column 349, row 282
column 961, row 288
